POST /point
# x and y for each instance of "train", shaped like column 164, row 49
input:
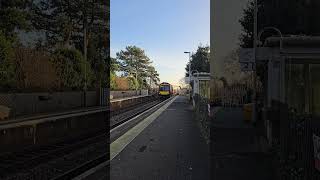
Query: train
column 165, row 90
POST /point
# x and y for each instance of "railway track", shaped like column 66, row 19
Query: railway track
column 118, row 119
column 104, row 159
column 23, row 164
column 66, row 159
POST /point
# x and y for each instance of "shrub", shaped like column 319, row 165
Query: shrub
column 113, row 83
column 121, row 83
column 7, row 65
column 133, row 83
column 72, row 69
column 35, row 71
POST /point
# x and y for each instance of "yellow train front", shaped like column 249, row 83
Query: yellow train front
column 165, row 90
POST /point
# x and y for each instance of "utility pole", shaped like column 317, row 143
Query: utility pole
column 255, row 32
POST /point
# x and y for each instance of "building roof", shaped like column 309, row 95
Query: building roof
column 201, row 74
column 293, row 41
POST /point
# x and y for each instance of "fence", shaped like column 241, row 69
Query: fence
column 202, row 115
column 293, row 136
column 236, row 95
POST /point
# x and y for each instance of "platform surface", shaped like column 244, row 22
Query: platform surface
column 235, row 150
column 170, row 148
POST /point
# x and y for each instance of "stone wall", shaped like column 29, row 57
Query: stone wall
column 22, row 104
column 124, row 94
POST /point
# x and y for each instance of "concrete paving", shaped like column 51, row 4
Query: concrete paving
column 170, row 148
column 235, row 154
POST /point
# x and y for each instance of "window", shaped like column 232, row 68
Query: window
column 295, row 87
column 303, row 87
column 164, row 88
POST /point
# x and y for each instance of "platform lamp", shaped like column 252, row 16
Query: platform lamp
column 188, row 52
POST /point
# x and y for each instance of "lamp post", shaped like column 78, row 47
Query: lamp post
column 189, row 65
column 195, row 82
column 187, row 52
column 281, row 45
column 196, row 72
column 271, row 28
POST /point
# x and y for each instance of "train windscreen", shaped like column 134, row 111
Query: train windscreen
column 164, row 88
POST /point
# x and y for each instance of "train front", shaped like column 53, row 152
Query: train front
column 165, row 90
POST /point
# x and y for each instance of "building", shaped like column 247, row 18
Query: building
column 291, row 107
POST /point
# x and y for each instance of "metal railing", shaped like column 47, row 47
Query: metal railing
column 235, row 96
column 202, row 115
column 293, row 144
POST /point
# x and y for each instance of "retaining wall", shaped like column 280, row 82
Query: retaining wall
column 22, row 104
column 124, row 94
column 125, row 103
column 31, row 134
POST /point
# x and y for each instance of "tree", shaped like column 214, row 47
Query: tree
column 232, row 69
column 114, row 65
column 290, row 17
column 73, row 70
column 72, row 22
column 134, row 62
column 14, row 16
column 153, row 75
column 113, row 83
column 7, row 66
column 200, row 61
column 80, row 24
column 137, row 67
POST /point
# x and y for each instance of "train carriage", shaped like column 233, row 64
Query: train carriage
column 165, row 90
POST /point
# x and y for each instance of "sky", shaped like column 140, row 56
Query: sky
column 164, row 29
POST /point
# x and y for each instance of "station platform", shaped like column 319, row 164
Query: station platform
column 235, row 149
column 127, row 98
column 168, row 146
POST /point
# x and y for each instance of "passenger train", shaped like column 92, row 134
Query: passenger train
column 165, row 90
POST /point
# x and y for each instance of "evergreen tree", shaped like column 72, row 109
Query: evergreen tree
column 136, row 64
column 290, row 17
column 14, row 15
column 71, row 22
column 200, row 61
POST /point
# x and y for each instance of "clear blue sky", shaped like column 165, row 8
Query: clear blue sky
column 163, row 28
